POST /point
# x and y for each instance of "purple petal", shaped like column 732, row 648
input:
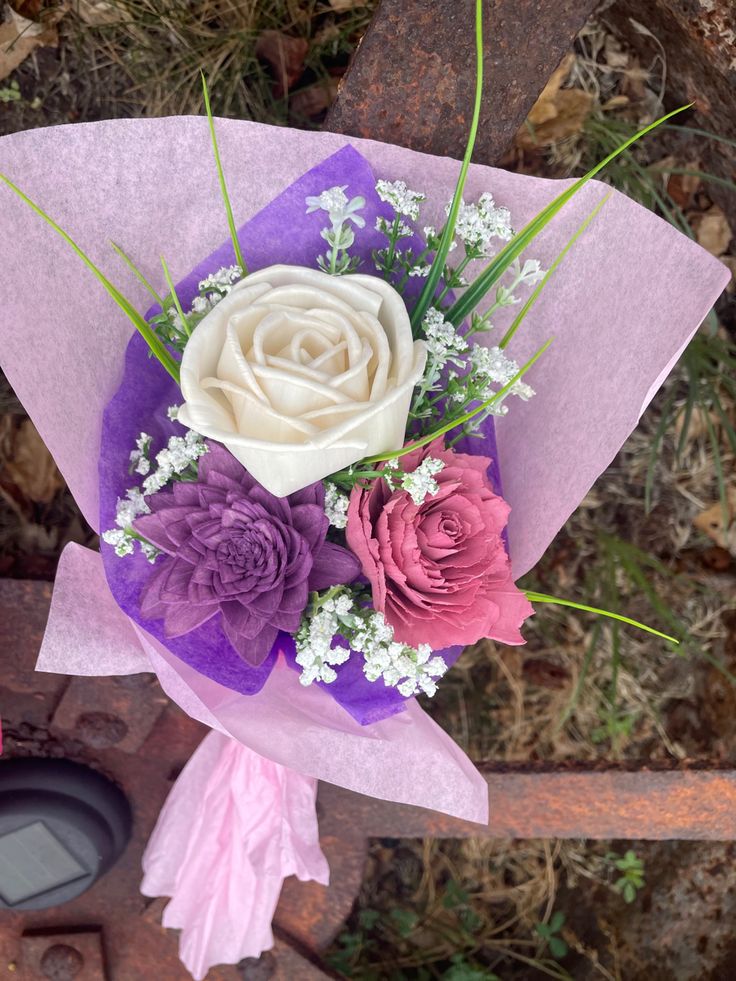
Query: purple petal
column 182, row 618
column 219, row 460
column 253, row 650
column 311, row 522
column 152, row 528
column 333, row 565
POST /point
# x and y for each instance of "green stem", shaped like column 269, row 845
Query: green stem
column 518, row 320
column 405, row 278
column 544, row 598
column 392, row 240
column 175, row 298
column 466, row 417
column 221, row 176
column 137, row 273
column 457, row 271
column 495, row 269
column 438, row 264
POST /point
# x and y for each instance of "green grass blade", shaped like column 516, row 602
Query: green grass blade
column 136, row 272
column 125, row 305
column 175, row 298
column 443, row 249
column 543, row 598
column 513, row 249
column 692, row 131
column 718, row 467
column 221, row 177
column 518, row 320
column 466, row 417
column 662, row 427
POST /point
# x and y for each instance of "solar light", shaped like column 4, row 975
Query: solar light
column 62, row 826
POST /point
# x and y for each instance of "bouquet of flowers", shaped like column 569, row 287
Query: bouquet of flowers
column 303, row 462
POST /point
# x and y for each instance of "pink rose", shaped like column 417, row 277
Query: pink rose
column 439, row 570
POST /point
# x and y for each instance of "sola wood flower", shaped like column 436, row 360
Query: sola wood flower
column 233, row 548
column 301, row 374
column 439, row 569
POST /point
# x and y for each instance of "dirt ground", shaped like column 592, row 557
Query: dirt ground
column 656, row 538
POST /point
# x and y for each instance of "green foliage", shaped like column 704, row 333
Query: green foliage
column 631, row 879
column 221, row 178
column 10, row 92
column 513, row 249
column 461, row 970
column 404, row 920
column 550, row 932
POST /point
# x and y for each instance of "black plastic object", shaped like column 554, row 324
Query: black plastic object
column 62, row 826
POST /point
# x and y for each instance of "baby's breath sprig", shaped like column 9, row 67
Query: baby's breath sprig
column 343, row 616
column 177, row 461
column 174, row 326
column 339, row 235
column 336, row 505
column 391, row 261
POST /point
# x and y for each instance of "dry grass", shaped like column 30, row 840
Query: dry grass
column 159, row 48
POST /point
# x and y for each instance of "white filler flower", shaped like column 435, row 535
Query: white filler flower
column 299, row 374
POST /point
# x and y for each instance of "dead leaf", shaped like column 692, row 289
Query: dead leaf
column 544, row 673
column 543, row 109
column 614, row 54
column 100, row 13
column 564, row 115
column 697, row 424
column 342, row 6
column 284, row 54
column 557, row 113
column 31, row 9
column 711, row 523
column 312, row 101
column 19, row 37
column 615, row 102
column 27, row 470
column 682, row 188
column 713, row 231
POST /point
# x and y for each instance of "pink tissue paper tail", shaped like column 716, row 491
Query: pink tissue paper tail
column 232, row 829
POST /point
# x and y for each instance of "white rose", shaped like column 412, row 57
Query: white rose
column 299, row 373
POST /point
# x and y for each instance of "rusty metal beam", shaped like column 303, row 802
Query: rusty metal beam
column 412, row 78
column 580, row 802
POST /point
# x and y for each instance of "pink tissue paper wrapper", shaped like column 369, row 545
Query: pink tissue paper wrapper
column 622, row 307
column 230, row 831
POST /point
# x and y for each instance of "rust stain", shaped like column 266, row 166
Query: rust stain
column 412, row 79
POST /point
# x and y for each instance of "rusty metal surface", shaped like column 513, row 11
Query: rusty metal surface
column 695, row 804
column 63, row 956
column 106, row 712
column 282, row 963
column 314, row 914
column 412, row 79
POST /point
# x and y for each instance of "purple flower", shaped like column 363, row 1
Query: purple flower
column 233, row 548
